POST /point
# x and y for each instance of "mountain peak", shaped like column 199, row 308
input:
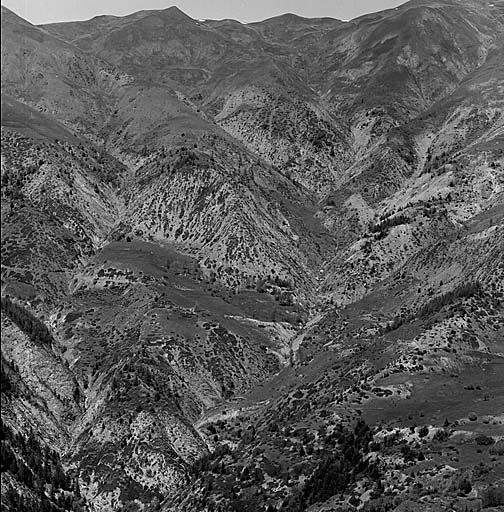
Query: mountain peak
column 292, row 18
column 171, row 15
column 173, row 9
column 253, row 266
column 175, row 13
column 11, row 16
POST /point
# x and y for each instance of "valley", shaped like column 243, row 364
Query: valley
column 254, row 267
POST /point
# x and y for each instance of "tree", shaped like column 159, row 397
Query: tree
column 424, row 431
column 465, row 486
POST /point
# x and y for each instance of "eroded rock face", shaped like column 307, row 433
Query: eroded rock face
column 222, row 244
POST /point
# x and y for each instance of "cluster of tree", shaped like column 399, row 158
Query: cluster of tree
column 36, row 466
column 383, row 227
column 282, row 290
column 34, row 328
column 140, row 382
column 190, row 159
column 8, row 385
column 276, row 281
column 340, row 468
column 29, row 461
column 13, row 182
column 210, row 461
column 436, row 163
column 464, row 290
column 108, row 167
column 319, row 138
column 407, row 154
column 410, row 454
column 14, row 501
column 330, row 469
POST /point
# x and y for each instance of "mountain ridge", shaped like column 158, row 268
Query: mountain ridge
column 249, row 258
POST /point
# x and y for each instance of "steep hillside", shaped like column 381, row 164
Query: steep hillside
column 40, row 402
column 244, row 221
column 226, row 70
column 53, row 76
column 418, row 359
column 58, row 202
column 254, row 266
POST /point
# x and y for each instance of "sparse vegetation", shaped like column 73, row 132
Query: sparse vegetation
column 198, row 291
column 433, row 306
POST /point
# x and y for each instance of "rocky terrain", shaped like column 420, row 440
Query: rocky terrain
column 254, row 266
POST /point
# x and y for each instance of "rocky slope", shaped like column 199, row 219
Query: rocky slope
column 254, row 267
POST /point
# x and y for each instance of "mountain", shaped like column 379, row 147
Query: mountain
column 254, row 266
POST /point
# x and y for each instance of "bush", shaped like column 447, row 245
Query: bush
column 339, row 469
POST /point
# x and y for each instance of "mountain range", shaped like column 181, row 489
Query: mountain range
column 257, row 266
